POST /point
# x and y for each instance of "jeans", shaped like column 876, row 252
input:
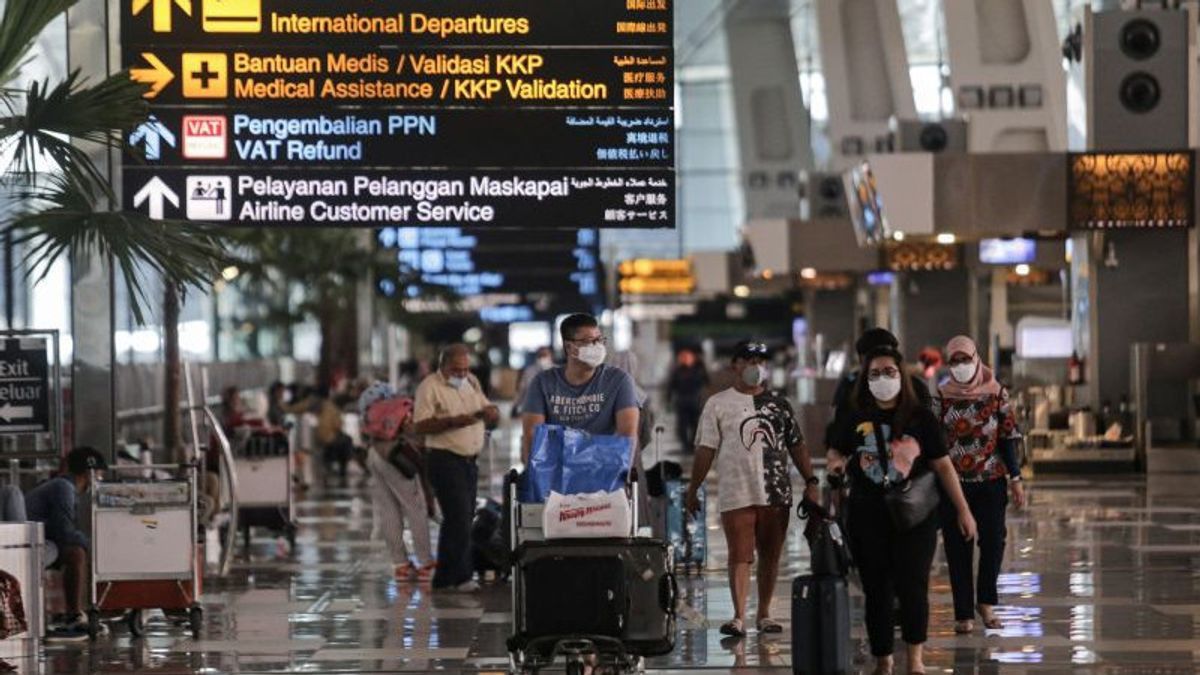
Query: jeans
column 892, row 566
column 687, row 419
column 455, row 481
column 988, row 501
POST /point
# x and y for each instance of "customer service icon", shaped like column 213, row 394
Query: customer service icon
column 208, row 198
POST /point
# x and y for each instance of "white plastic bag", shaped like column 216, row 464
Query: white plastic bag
column 595, row 515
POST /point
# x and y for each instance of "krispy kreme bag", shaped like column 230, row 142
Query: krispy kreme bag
column 587, row 516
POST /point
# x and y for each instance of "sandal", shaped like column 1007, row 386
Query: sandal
column 769, row 625
column 425, row 572
column 964, row 627
column 734, row 628
column 991, row 622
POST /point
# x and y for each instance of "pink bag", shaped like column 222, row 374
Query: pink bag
column 387, row 418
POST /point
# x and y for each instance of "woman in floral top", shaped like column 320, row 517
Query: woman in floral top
column 982, row 436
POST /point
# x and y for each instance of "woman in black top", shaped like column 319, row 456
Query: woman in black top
column 893, row 564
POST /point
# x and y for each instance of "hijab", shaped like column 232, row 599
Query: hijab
column 981, row 386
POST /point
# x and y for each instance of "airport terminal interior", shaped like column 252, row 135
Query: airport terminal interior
column 599, row 336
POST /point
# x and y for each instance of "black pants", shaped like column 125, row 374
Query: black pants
column 988, row 502
column 687, row 420
column 892, row 566
column 455, row 481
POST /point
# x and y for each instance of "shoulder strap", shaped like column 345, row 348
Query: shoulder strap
column 883, row 448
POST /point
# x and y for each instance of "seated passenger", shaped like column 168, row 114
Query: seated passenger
column 54, row 504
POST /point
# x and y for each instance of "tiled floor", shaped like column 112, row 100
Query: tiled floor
column 1102, row 576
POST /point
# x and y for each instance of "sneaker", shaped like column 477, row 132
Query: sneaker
column 471, row 586
column 76, row 632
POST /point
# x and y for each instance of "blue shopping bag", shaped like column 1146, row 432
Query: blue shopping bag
column 544, row 473
column 594, row 463
column 571, row 462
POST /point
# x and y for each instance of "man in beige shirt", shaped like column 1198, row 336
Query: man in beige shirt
column 452, row 412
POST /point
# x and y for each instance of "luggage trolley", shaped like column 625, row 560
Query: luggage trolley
column 648, row 608
column 144, row 553
column 264, row 465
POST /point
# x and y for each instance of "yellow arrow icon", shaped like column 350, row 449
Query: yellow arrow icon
column 162, row 11
column 157, row 76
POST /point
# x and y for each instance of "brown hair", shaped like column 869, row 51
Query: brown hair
column 908, row 404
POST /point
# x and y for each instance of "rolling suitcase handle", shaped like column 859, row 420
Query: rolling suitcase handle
column 668, row 592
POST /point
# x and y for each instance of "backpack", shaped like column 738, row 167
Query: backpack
column 386, row 418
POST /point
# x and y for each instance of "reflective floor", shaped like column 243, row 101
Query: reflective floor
column 1101, row 577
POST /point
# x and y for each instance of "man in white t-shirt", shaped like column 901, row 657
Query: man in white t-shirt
column 750, row 431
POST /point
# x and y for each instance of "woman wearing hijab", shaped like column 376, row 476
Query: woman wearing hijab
column 982, row 436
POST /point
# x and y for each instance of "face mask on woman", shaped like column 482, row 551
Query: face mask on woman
column 885, row 388
column 963, row 372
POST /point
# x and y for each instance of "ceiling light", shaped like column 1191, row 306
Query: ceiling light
column 946, row 239
column 741, row 291
column 898, row 235
column 808, row 273
column 1023, row 270
column 768, row 274
column 230, row 273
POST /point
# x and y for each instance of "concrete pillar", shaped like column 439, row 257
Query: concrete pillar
column 93, row 386
column 867, row 79
column 1117, row 275
column 773, row 131
column 1006, row 74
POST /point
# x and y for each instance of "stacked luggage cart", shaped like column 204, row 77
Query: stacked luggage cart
column 597, row 603
column 144, row 547
column 263, row 464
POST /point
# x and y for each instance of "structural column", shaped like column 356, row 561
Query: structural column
column 93, row 384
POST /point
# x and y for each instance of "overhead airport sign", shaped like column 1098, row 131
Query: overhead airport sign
column 419, row 198
column 530, row 114
column 24, row 386
column 445, row 23
column 264, row 137
column 480, row 77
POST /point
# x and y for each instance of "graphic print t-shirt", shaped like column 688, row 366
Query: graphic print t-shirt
column 752, row 436
column 908, row 453
column 592, row 407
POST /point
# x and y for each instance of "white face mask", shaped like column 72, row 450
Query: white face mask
column 456, row 382
column 885, row 388
column 756, row 376
column 546, row 363
column 593, row 355
column 963, row 373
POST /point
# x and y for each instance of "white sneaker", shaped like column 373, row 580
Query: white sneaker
column 471, row 586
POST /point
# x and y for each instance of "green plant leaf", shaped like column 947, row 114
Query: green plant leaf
column 56, row 117
column 65, row 217
column 20, row 25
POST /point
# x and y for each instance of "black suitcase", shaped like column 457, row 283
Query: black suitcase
column 575, row 595
column 821, row 626
column 618, row 588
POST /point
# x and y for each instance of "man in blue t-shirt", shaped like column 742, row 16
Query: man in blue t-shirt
column 584, row 394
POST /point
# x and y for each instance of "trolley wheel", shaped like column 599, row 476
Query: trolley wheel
column 93, row 620
column 136, row 621
column 196, row 618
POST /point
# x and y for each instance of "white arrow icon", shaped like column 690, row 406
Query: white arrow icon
column 9, row 412
column 156, row 192
column 153, row 133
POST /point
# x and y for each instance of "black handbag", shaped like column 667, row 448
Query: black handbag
column 826, row 542
column 911, row 501
column 406, row 459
